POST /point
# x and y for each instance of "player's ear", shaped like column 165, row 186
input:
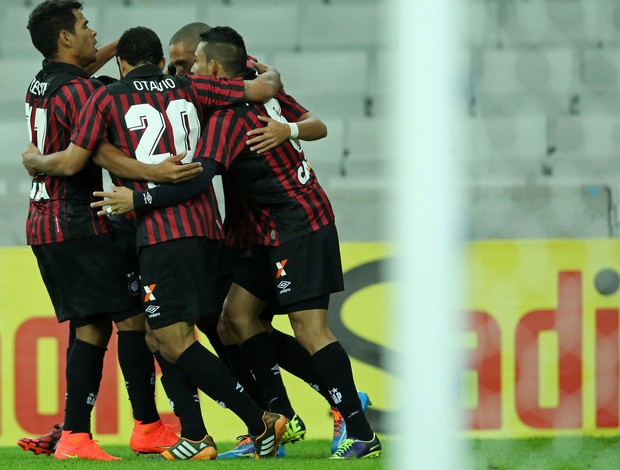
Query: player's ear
column 64, row 38
column 216, row 68
column 162, row 64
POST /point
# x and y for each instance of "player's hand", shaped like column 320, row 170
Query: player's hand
column 117, row 202
column 172, row 171
column 30, row 157
column 265, row 138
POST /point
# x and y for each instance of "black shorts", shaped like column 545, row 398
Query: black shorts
column 297, row 275
column 178, row 280
column 89, row 277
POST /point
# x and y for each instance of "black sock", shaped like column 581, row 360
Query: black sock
column 138, row 369
column 84, row 370
column 241, row 371
column 208, row 325
column 335, row 368
column 293, row 358
column 71, row 339
column 260, row 354
column 212, row 376
column 183, row 396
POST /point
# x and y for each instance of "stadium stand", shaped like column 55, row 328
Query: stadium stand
column 335, row 82
column 517, row 81
column 506, row 148
column 272, row 27
column 552, row 23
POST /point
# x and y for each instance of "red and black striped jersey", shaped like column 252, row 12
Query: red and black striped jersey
column 151, row 116
column 60, row 207
column 271, row 197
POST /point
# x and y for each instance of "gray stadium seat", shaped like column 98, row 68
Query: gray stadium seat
column 610, row 22
column 481, row 24
column 14, row 138
column 13, row 213
column 505, row 148
column 586, row 147
column 325, row 155
column 330, row 84
column 364, row 156
column 341, row 25
column 541, row 211
column 524, row 81
column 547, row 22
column 359, row 205
column 165, row 20
column 263, row 27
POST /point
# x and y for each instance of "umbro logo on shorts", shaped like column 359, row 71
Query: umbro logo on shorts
column 284, row 284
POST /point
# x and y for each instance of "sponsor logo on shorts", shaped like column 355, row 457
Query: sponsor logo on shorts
column 152, row 308
column 283, row 286
column 149, row 292
column 280, row 266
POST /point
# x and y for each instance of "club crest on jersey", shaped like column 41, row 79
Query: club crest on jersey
column 133, row 285
column 280, row 266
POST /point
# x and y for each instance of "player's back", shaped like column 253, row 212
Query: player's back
column 280, row 189
column 151, row 116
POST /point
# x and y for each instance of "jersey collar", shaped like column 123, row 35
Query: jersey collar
column 56, row 67
column 146, row 70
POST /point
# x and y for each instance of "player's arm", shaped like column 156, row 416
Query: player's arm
column 122, row 200
column 122, row 165
column 265, row 86
column 308, row 127
column 104, row 54
column 65, row 163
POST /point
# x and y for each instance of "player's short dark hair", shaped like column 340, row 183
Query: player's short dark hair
column 226, row 45
column 189, row 35
column 140, row 45
column 46, row 22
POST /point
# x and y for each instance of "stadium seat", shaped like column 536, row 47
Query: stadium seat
column 263, row 27
column 15, row 39
column 14, row 85
column 326, row 155
column 585, row 147
column 13, row 212
column 363, row 143
column 15, row 186
column 330, row 84
column 341, row 25
column 165, row 20
column 547, row 22
column 609, row 25
column 539, row 211
column 600, row 69
column 525, row 81
column 359, row 205
column 14, row 138
column 481, row 24
column 505, row 148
